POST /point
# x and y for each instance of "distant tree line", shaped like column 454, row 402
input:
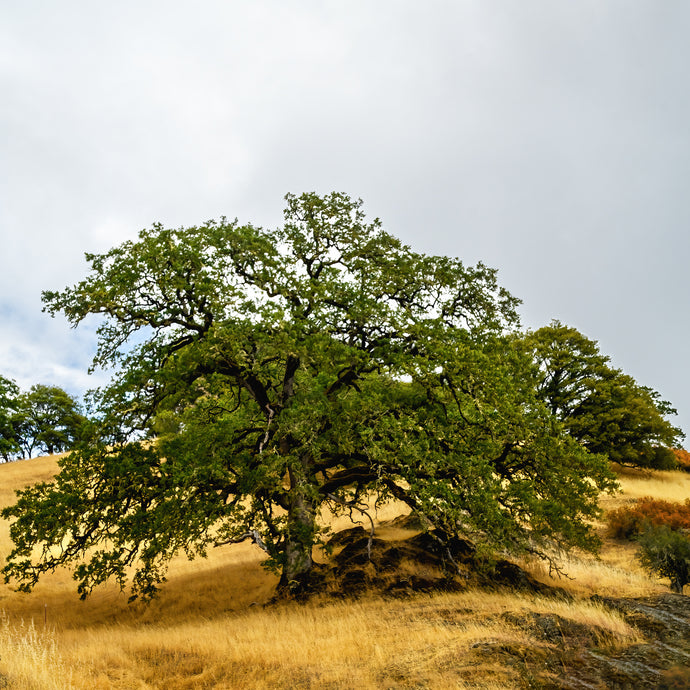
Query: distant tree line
column 42, row 420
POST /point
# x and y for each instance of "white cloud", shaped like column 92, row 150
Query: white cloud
column 548, row 139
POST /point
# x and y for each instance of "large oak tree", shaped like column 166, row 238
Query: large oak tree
column 261, row 376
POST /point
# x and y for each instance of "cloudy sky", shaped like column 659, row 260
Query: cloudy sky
column 550, row 140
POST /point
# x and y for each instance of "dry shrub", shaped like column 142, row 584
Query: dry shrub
column 628, row 522
column 682, row 458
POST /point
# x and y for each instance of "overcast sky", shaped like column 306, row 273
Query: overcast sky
column 550, row 140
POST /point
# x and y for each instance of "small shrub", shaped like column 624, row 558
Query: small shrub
column 682, row 459
column 625, row 523
column 666, row 553
column 628, row 522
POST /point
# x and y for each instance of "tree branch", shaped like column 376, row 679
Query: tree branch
column 251, row 534
column 355, row 505
column 353, row 475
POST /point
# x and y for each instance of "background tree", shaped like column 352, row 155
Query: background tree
column 278, row 373
column 46, row 419
column 8, row 439
column 602, row 408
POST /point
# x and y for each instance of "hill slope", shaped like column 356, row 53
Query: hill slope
column 212, row 628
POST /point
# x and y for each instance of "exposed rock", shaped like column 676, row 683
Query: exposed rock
column 580, row 656
column 423, row 562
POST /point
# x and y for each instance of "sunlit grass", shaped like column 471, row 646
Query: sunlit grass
column 210, row 628
column 615, row 573
column 30, row 658
column 635, row 483
column 426, row 641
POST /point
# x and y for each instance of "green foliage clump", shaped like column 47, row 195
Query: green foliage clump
column 665, row 552
column 9, row 445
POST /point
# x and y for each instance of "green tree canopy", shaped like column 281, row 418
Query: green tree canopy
column 601, row 407
column 264, row 375
column 46, row 419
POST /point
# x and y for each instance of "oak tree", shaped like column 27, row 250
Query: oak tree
column 262, row 376
column 46, row 419
column 604, row 409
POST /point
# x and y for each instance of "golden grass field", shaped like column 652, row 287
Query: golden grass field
column 210, row 629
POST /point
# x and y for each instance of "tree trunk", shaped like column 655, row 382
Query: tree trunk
column 677, row 584
column 301, row 528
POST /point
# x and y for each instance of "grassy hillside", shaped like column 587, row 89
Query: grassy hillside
column 209, row 628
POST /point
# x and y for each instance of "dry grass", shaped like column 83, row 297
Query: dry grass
column 30, row 657
column 615, row 573
column 635, row 483
column 209, row 628
column 422, row 642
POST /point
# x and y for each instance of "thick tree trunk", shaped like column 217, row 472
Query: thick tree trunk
column 301, row 528
column 677, row 584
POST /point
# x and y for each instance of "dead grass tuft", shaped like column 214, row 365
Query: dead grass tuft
column 30, row 658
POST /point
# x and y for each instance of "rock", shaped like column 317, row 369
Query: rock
column 579, row 656
column 425, row 562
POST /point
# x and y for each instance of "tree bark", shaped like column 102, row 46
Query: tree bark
column 301, row 528
column 677, row 584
